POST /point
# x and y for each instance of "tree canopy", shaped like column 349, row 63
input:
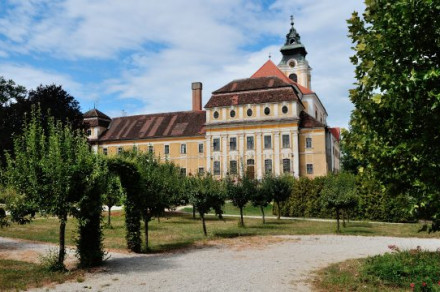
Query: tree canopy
column 395, row 126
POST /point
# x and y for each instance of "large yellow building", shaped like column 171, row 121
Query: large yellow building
column 271, row 122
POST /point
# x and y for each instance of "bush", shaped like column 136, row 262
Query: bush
column 404, row 269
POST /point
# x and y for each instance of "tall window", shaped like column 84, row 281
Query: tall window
column 267, row 142
column 286, row 165
column 309, row 168
column 268, row 166
column 216, row 144
column 183, row 148
column 286, row 141
column 150, row 149
column 119, row 150
column 233, row 167
column 232, row 143
column 200, row 147
column 201, row 171
column 89, row 132
column 166, row 149
column 250, row 162
column 105, row 151
column 216, row 167
column 183, row 171
column 308, row 142
column 250, row 143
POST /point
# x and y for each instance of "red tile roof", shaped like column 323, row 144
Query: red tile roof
column 247, row 84
column 270, row 69
column 94, row 113
column 336, row 132
column 177, row 124
column 307, row 121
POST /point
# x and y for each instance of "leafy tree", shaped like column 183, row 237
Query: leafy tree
column 49, row 171
column 340, row 194
column 395, row 125
column 9, row 91
column 207, row 194
column 279, row 188
column 113, row 195
column 53, row 101
column 240, row 192
column 259, row 197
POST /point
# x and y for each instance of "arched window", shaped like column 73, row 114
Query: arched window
column 293, row 77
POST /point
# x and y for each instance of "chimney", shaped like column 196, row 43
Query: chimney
column 196, row 96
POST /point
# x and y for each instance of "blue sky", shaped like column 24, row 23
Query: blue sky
column 141, row 56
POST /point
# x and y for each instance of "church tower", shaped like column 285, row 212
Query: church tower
column 294, row 63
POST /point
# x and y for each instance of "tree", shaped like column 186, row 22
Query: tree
column 207, row 194
column 113, row 195
column 51, row 170
column 340, row 194
column 279, row 188
column 9, row 91
column 240, row 192
column 259, row 197
column 53, row 101
column 395, row 126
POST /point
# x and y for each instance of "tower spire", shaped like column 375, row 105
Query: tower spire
column 291, row 21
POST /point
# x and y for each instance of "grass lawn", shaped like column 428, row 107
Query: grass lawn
column 248, row 210
column 17, row 275
column 181, row 230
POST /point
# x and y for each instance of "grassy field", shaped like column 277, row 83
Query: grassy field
column 180, row 230
column 249, row 210
column 17, row 275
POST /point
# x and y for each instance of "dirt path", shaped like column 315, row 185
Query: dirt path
column 282, row 263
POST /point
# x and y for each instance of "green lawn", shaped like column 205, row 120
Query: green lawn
column 17, row 275
column 249, row 210
column 178, row 231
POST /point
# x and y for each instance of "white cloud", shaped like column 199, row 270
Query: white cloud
column 31, row 78
column 162, row 46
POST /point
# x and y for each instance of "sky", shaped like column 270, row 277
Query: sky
column 137, row 57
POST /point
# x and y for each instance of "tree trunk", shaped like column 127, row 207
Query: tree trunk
column 241, row 217
column 338, row 229
column 194, row 212
column 278, row 210
column 204, row 224
column 343, row 219
column 262, row 212
column 146, row 221
column 62, row 243
column 109, row 223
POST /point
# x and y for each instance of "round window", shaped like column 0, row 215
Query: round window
column 249, row 112
column 216, row 115
column 267, row 111
column 292, row 64
column 285, row 109
column 232, row 113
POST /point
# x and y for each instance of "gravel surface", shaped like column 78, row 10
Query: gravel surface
column 283, row 263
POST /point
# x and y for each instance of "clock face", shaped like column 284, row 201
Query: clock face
column 292, row 64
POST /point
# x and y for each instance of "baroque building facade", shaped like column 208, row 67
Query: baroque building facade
column 271, row 122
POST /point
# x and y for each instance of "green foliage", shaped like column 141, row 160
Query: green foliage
column 395, row 126
column 207, row 193
column 130, row 178
column 340, row 194
column 403, row 268
column 259, row 198
column 113, row 194
column 240, row 192
column 50, row 171
column 278, row 188
column 9, row 90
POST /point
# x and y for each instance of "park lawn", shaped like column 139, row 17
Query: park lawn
column 18, row 275
column 248, row 210
column 180, row 230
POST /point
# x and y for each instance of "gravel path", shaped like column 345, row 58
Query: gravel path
column 283, row 263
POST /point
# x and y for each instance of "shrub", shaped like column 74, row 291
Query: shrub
column 403, row 268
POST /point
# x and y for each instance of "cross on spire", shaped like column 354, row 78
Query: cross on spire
column 291, row 20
